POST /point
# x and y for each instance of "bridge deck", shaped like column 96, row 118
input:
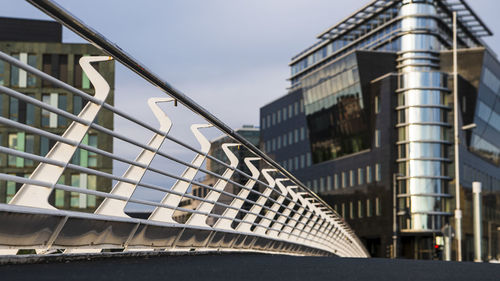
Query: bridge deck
column 248, row 267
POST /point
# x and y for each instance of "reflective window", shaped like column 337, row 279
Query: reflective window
column 421, row 97
column 361, row 210
column 60, row 194
column 75, row 196
column 486, row 149
column 490, row 80
column 369, row 174
column 92, row 156
column 422, row 114
column 361, row 176
column 377, row 138
column 352, row 180
column 351, row 210
column 336, row 181
column 378, row 207
column 56, row 66
column 369, row 211
column 378, row 172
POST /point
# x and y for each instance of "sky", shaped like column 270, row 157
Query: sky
column 230, row 56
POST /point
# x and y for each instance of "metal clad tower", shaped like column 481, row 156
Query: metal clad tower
column 422, row 123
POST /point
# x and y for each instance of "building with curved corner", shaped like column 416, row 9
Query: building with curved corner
column 369, row 112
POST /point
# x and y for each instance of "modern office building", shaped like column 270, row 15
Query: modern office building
column 251, row 134
column 39, row 44
column 372, row 100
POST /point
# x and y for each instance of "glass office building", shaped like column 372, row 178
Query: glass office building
column 39, row 44
column 370, row 110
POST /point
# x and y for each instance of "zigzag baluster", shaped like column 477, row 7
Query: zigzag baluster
column 37, row 196
column 213, row 195
column 181, row 186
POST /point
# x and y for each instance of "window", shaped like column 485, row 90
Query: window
column 302, row 161
column 262, row 122
column 49, row 119
column 369, row 211
column 21, row 111
column 268, row 121
column 377, row 105
column 290, row 137
column 329, row 183
column 343, row 210
column 360, row 209
column 378, row 207
column 285, row 115
column 490, row 80
column 278, row 142
column 302, row 133
column 296, row 135
column 16, row 141
column 344, row 180
column 377, row 138
column 296, row 108
column 92, row 162
column 315, row 185
column 274, row 118
column 290, row 112
column 351, row 178
column 268, row 146
column 368, row 174
column 11, row 189
column 351, row 210
column 29, row 147
column 60, row 194
column 308, row 159
column 301, row 106
column 91, row 185
column 56, row 66
column 75, row 196
column 336, row 181
column 322, row 184
column 378, row 173
column 31, row 79
column 285, row 140
column 361, row 176
column 296, row 160
column 290, row 164
column 273, row 143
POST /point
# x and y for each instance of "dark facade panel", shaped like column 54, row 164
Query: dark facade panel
column 27, row 30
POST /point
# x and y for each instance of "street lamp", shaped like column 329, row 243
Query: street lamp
column 458, row 211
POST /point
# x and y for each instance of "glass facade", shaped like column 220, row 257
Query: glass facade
column 334, row 110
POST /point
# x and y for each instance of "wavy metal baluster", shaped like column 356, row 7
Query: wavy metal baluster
column 206, row 207
column 265, row 222
column 279, row 225
column 165, row 214
column 230, row 214
column 37, row 196
column 250, row 217
column 114, row 207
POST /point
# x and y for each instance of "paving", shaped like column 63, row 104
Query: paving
column 245, row 267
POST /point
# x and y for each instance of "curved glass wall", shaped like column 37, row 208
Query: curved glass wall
column 422, row 118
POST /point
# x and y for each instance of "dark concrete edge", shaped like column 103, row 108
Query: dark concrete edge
column 66, row 258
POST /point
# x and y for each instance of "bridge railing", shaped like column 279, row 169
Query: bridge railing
column 75, row 198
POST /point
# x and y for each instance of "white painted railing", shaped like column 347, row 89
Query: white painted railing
column 270, row 211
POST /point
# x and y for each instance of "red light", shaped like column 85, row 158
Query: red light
column 436, row 246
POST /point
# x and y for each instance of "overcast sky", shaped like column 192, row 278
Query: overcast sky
column 230, row 56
